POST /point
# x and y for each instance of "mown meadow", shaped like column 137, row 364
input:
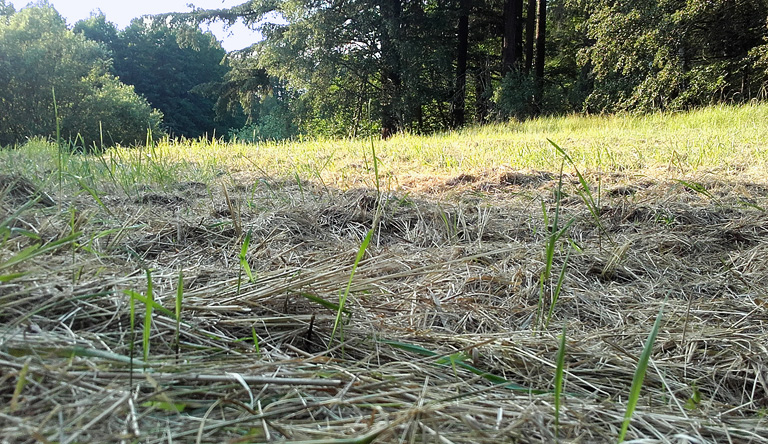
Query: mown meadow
column 574, row 279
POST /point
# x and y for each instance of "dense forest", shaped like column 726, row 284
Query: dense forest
column 355, row 67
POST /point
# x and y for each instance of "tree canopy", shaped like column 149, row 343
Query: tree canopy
column 675, row 54
column 173, row 68
column 40, row 57
column 425, row 65
column 345, row 68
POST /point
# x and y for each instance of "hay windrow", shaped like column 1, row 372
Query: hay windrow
column 448, row 285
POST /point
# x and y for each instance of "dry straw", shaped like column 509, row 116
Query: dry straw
column 440, row 338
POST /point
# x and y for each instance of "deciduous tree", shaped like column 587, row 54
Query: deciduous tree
column 40, row 55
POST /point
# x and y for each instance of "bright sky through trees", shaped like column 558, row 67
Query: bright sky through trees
column 121, row 13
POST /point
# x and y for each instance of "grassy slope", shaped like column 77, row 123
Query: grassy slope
column 454, row 268
column 725, row 139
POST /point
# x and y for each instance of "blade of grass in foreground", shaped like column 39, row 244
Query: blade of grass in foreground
column 148, row 317
column 559, row 382
column 459, row 363
column 327, row 304
column 642, row 366
column 20, row 383
column 244, row 266
column 256, row 342
column 37, row 249
column 133, row 336
column 342, row 302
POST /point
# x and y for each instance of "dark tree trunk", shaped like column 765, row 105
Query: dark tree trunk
column 541, row 36
column 391, row 80
column 462, row 46
column 530, row 30
column 513, row 36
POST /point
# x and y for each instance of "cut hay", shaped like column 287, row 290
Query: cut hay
column 442, row 343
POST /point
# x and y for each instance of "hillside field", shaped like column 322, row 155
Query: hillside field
column 414, row 290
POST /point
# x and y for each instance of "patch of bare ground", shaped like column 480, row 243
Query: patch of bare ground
column 443, row 340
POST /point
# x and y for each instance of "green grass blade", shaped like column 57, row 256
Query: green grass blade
column 10, row 277
column 325, row 303
column 696, row 187
column 92, row 192
column 148, row 318
column 375, row 167
column 37, row 249
column 559, row 369
column 243, row 258
column 22, row 232
column 586, row 192
column 255, row 341
column 20, row 383
column 637, row 380
column 342, row 302
column 451, row 360
column 60, row 161
column 21, row 256
column 9, row 220
column 179, row 296
column 558, row 287
column 132, row 310
column 146, row 301
column 582, row 180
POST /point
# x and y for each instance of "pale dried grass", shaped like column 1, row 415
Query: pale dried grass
column 466, row 286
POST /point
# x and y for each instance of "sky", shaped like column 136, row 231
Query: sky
column 121, row 13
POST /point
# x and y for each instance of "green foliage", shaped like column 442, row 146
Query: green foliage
column 244, row 266
column 515, row 98
column 654, row 54
column 273, row 121
column 173, row 68
column 338, row 323
column 112, row 112
column 321, row 73
column 397, row 61
column 392, row 61
column 39, row 53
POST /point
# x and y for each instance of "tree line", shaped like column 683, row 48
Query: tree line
column 436, row 64
column 354, row 67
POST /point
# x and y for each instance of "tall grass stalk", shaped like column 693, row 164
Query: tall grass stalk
column 337, row 323
column 150, row 305
column 375, row 167
column 256, row 342
column 555, row 234
column 235, row 215
column 60, row 162
column 558, row 287
column 132, row 332
column 642, row 366
column 90, row 190
column 585, row 192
